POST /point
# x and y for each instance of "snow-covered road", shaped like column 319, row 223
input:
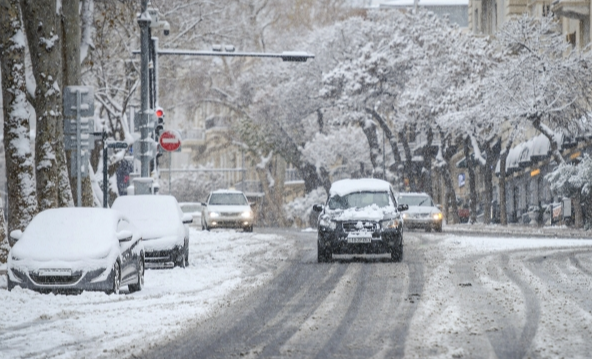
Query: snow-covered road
column 452, row 297
column 224, row 266
column 264, row 295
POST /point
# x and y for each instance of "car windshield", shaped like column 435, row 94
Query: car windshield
column 359, row 200
column 221, row 199
column 419, row 201
column 190, row 208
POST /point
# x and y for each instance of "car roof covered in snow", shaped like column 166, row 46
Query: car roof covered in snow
column 348, row 186
column 226, row 191
column 155, row 216
column 68, row 233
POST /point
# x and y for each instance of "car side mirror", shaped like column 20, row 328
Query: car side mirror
column 124, row 236
column 317, row 208
column 252, row 204
column 439, row 206
column 403, row 207
column 187, row 218
column 16, row 234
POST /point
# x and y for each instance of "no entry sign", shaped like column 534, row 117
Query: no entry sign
column 170, row 141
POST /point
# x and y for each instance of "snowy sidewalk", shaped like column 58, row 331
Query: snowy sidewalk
column 517, row 230
column 224, row 266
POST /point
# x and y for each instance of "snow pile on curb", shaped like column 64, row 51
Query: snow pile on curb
column 224, row 267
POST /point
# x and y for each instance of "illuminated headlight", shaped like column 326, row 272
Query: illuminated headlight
column 405, row 215
column 391, row 223
column 246, row 214
column 327, row 223
column 214, row 214
column 437, row 216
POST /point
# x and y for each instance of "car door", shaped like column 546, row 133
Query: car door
column 128, row 258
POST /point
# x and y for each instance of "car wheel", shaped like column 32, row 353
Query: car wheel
column 397, row 253
column 116, row 281
column 182, row 263
column 140, row 284
column 428, row 228
column 248, row 229
column 324, row 255
column 10, row 284
column 439, row 228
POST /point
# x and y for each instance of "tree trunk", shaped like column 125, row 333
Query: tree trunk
column 274, row 211
column 22, row 198
column 488, row 174
column 42, row 27
column 450, row 193
column 369, row 128
column 502, row 189
column 389, row 135
column 428, row 155
column 408, row 170
column 71, row 77
column 578, row 214
column 472, row 187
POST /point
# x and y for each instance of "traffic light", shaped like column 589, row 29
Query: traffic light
column 159, row 122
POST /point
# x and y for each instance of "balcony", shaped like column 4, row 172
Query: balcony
column 573, row 9
column 194, row 136
column 292, row 175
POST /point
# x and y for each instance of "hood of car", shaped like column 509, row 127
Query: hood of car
column 228, row 208
column 422, row 209
column 370, row 213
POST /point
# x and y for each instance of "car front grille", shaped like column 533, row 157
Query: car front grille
column 353, row 226
column 229, row 214
column 65, row 279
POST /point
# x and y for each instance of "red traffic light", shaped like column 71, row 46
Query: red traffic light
column 159, row 112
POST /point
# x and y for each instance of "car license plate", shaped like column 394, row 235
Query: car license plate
column 54, row 272
column 359, row 240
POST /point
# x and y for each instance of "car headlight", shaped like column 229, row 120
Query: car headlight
column 214, row 214
column 390, row 223
column 246, row 214
column 327, row 223
column 405, row 215
column 437, row 216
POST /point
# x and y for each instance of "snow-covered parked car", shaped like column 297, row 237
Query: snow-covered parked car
column 163, row 226
column 361, row 216
column 76, row 249
column 422, row 213
column 227, row 209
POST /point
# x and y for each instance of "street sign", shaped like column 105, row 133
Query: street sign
column 170, row 140
column 87, row 102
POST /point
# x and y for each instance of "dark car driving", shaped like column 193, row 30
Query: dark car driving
column 361, row 216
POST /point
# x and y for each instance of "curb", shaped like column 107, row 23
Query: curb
column 517, row 234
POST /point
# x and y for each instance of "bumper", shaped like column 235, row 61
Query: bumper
column 412, row 223
column 77, row 282
column 381, row 242
column 229, row 222
column 163, row 258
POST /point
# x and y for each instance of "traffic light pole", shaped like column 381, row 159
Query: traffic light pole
column 144, row 22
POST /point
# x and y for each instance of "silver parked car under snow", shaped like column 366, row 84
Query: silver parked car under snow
column 76, row 249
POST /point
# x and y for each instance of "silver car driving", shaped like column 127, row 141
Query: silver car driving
column 227, row 209
column 422, row 212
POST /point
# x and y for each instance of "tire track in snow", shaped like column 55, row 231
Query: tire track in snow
column 242, row 328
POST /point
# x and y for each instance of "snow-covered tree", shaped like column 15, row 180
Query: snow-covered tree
column 19, row 159
column 542, row 81
column 573, row 180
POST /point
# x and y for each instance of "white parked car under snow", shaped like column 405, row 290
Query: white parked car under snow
column 163, row 226
column 76, row 249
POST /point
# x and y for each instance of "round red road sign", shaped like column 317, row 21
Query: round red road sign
column 170, row 140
